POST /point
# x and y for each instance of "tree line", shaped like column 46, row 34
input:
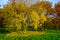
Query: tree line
column 18, row 16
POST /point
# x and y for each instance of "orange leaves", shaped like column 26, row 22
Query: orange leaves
column 57, row 7
column 52, row 10
column 42, row 4
column 57, row 22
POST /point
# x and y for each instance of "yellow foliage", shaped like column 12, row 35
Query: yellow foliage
column 13, row 34
column 43, row 17
column 34, row 18
column 18, row 15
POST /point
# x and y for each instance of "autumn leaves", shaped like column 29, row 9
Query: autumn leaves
column 18, row 16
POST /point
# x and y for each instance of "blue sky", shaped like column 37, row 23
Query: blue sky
column 53, row 1
column 3, row 2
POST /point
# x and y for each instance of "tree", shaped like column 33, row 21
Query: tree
column 34, row 19
column 1, row 18
column 41, row 8
column 14, row 16
column 43, row 4
column 57, row 8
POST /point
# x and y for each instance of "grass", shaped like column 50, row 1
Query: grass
column 31, row 35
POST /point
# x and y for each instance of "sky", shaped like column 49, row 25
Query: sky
column 53, row 1
column 3, row 2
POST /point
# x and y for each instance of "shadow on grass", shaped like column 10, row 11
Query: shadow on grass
column 4, row 31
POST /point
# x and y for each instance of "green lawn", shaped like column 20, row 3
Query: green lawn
column 46, row 35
